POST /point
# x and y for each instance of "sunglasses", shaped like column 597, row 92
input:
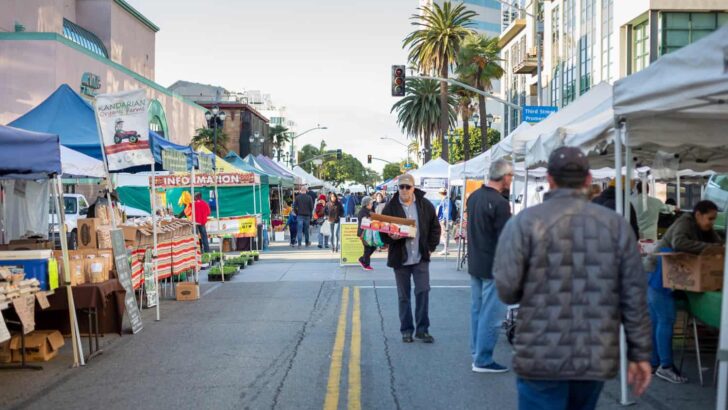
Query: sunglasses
column 405, row 187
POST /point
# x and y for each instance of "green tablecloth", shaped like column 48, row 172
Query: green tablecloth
column 706, row 307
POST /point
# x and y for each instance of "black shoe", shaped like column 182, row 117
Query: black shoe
column 407, row 338
column 425, row 337
column 319, row 246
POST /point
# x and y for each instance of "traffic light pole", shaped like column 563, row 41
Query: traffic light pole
column 468, row 87
column 383, row 160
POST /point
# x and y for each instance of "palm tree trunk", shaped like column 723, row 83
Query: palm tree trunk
column 444, row 112
column 466, row 133
column 426, row 142
column 483, row 113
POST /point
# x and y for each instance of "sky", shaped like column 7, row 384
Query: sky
column 327, row 61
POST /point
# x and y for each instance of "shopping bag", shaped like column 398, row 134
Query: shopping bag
column 372, row 238
column 326, row 228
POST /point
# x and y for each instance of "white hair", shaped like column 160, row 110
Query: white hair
column 499, row 169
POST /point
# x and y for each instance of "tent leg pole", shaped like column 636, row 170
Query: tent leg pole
column 155, row 250
column 624, row 399
column 678, row 194
column 222, row 239
column 78, row 359
column 525, row 192
column 194, row 224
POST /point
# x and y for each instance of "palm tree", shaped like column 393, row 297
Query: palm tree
column 418, row 112
column 279, row 136
column 478, row 64
column 205, row 138
column 434, row 45
column 466, row 108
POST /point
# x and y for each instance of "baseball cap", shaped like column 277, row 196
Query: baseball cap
column 568, row 162
column 406, row 179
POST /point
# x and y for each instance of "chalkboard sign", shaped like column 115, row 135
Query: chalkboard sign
column 123, row 271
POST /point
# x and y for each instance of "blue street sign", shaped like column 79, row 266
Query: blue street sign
column 536, row 113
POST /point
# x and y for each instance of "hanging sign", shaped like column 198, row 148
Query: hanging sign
column 173, row 160
column 206, row 180
column 351, row 246
column 205, row 162
column 124, row 128
column 248, row 227
column 150, row 285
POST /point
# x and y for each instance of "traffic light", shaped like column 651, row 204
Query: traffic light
column 369, row 159
column 398, row 80
column 339, row 155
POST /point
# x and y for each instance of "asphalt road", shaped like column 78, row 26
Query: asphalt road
column 295, row 331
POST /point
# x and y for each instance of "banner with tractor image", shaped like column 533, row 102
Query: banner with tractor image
column 124, row 128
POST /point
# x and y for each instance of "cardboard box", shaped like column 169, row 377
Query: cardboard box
column 29, row 244
column 87, row 228
column 406, row 228
column 695, row 273
column 188, row 291
column 40, row 346
column 138, row 235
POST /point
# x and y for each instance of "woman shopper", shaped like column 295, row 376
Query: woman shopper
column 691, row 233
column 365, row 212
column 335, row 211
column 320, row 216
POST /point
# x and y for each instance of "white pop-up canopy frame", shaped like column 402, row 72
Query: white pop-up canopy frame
column 678, row 105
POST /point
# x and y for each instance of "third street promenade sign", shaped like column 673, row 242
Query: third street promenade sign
column 223, row 179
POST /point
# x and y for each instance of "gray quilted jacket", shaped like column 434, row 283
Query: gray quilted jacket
column 575, row 270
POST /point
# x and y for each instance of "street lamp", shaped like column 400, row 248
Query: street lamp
column 254, row 140
column 293, row 139
column 400, row 143
column 215, row 119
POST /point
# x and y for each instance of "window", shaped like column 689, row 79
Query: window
column 84, row 38
column 569, row 82
column 586, row 45
column 607, row 40
column 640, row 46
column 681, row 29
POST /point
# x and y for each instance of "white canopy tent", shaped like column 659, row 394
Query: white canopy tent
column 436, row 168
column 475, row 167
column 538, row 142
column 504, row 148
column 75, row 163
column 678, row 105
column 307, row 178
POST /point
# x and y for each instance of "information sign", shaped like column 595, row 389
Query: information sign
column 351, row 247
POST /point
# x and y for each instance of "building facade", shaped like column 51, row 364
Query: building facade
column 94, row 46
column 586, row 42
column 243, row 119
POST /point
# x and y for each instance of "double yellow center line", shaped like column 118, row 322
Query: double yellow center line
column 337, row 355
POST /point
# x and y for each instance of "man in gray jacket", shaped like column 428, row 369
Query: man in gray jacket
column 575, row 269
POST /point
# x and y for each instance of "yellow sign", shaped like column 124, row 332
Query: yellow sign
column 351, row 247
column 248, row 227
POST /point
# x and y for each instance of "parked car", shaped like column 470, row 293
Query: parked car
column 76, row 207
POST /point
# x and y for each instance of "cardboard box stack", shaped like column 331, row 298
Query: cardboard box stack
column 40, row 346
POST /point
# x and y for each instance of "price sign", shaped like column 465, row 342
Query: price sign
column 173, row 160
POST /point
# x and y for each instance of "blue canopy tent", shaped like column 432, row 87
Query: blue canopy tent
column 234, row 159
column 284, row 180
column 33, row 158
column 28, row 155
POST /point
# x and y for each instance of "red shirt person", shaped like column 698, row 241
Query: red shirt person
column 202, row 212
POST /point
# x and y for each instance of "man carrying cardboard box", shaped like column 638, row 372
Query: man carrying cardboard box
column 691, row 233
column 410, row 257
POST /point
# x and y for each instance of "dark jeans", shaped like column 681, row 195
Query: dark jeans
column 303, row 224
column 421, row 274
column 367, row 257
column 558, row 394
column 662, row 313
column 204, row 242
column 335, row 227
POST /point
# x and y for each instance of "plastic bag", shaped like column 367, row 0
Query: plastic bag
column 326, row 228
column 372, row 238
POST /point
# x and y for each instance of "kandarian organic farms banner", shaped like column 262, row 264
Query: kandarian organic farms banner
column 124, row 129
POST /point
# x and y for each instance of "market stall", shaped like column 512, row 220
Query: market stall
column 30, row 167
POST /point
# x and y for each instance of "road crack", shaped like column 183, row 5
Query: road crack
column 392, row 380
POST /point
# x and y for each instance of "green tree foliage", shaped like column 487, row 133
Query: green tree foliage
column 347, row 169
column 418, row 112
column 457, row 153
column 392, row 170
column 478, row 64
column 205, row 138
column 435, row 43
column 279, row 136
